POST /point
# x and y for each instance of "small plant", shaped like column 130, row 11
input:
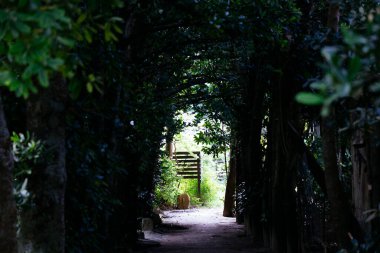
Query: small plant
column 167, row 187
column 26, row 151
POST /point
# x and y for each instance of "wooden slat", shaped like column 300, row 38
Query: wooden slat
column 187, row 165
column 185, row 152
column 188, row 169
column 182, row 166
column 184, row 157
column 190, row 177
column 187, row 161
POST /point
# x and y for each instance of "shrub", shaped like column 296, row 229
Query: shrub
column 211, row 189
column 166, row 191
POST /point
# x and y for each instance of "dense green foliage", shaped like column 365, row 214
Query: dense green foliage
column 211, row 189
column 351, row 68
column 167, row 188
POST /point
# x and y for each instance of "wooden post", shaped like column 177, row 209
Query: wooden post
column 199, row 174
column 169, row 148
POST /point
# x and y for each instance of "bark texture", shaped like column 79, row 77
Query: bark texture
column 341, row 218
column 44, row 224
column 374, row 175
column 229, row 199
column 8, row 211
column 285, row 162
column 360, row 183
column 333, row 16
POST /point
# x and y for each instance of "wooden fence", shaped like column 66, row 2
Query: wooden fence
column 189, row 166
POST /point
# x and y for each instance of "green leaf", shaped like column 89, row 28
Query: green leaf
column 4, row 77
column 23, row 28
column 329, row 52
column 89, row 87
column 107, row 32
column 308, row 98
column 91, row 77
column 87, row 36
column 66, row 41
column 55, row 63
column 321, row 86
column 116, row 19
column 117, row 29
column 15, row 33
column 16, row 48
column 43, row 78
column 32, row 69
column 81, row 18
column 352, row 39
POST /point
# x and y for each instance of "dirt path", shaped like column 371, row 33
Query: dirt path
column 199, row 230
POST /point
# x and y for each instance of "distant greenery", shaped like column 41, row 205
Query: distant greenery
column 211, row 190
column 170, row 185
column 212, row 186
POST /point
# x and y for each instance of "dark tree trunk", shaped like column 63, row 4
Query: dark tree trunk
column 312, row 163
column 43, row 225
column 123, row 221
column 285, row 163
column 239, row 183
column 229, row 199
column 374, row 175
column 8, row 211
column 360, row 173
column 343, row 222
column 333, row 16
column 341, row 218
column 251, row 119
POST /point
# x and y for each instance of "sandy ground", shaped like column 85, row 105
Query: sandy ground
column 199, row 230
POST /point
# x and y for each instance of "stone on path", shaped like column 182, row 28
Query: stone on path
column 183, row 201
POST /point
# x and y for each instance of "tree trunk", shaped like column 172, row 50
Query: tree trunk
column 229, row 199
column 333, row 16
column 43, row 225
column 343, row 222
column 8, row 211
column 169, row 148
column 360, row 189
column 285, row 163
column 374, row 175
column 341, row 219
